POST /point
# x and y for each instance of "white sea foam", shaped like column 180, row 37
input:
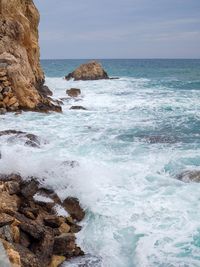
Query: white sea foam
column 138, row 214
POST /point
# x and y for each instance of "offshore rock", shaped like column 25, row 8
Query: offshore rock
column 89, row 71
column 73, row 92
column 20, row 72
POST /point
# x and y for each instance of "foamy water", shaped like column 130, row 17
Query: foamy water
column 138, row 213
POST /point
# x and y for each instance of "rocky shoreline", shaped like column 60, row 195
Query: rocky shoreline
column 31, row 230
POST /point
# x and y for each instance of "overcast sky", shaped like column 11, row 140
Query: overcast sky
column 119, row 28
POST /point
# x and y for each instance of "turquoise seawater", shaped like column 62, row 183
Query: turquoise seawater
column 138, row 133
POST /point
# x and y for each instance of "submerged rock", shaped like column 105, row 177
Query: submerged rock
column 73, row 92
column 156, row 139
column 78, row 108
column 189, row 176
column 89, row 71
column 30, row 139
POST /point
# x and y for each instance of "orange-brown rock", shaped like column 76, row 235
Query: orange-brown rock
column 20, row 53
column 89, row 71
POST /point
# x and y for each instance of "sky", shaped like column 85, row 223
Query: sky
column 71, row 29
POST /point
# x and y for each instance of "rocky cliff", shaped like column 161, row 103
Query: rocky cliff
column 21, row 76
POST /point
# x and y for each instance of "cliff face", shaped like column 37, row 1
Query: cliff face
column 20, row 68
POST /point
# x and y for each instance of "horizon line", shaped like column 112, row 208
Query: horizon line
column 156, row 58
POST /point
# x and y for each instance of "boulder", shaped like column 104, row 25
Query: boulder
column 89, row 71
column 64, row 245
column 73, row 92
column 73, row 207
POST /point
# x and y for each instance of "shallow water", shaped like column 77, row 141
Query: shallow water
column 137, row 135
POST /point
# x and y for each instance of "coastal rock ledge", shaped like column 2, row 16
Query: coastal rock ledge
column 89, row 71
column 32, row 233
column 21, row 76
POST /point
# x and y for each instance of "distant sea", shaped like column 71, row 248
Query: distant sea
column 138, row 134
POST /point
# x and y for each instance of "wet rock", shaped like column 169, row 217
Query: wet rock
column 33, row 229
column 45, row 91
column 52, row 221
column 78, row 108
column 28, row 258
column 73, row 92
column 73, row 207
column 189, row 176
column 89, row 71
column 30, row 139
column 75, row 228
column 44, row 248
column 57, row 261
column 29, row 188
column 25, row 239
column 64, row 245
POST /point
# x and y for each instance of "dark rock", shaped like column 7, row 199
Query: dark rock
column 25, row 239
column 44, row 248
column 45, row 91
column 29, row 188
column 75, row 228
column 78, row 252
column 73, row 92
column 73, row 207
column 52, row 221
column 89, row 71
column 64, row 245
column 28, row 259
column 33, row 229
column 47, row 107
column 189, row 176
column 78, row 108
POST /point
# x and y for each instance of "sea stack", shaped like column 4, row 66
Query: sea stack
column 21, row 76
column 92, row 70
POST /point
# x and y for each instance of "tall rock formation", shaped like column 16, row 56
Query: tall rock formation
column 21, row 76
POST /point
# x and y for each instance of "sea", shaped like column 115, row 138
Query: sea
column 136, row 136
